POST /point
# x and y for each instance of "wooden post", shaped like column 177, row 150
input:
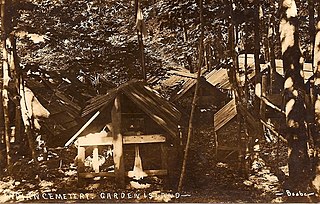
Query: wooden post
column 117, row 143
column 95, row 162
column 80, row 163
column 263, row 94
column 81, row 158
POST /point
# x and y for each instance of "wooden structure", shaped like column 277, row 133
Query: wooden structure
column 230, row 130
column 226, row 115
column 209, row 95
column 64, row 96
column 135, row 115
column 179, row 87
column 220, row 79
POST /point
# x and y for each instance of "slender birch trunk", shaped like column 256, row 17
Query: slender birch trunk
column 195, row 98
column 294, row 98
column 15, row 74
column 6, row 79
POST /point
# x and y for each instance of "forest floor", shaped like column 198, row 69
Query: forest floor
column 209, row 178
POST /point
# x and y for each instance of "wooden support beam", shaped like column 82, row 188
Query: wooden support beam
column 81, row 158
column 159, row 172
column 117, row 143
column 135, row 139
column 95, row 162
column 92, row 175
column 142, row 139
column 95, row 141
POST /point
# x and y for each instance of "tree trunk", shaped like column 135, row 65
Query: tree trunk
column 141, row 47
column 140, row 32
column 232, row 52
column 256, row 51
column 6, row 79
column 15, row 74
column 311, row 26
column 294, row 97
column 12, row 56
column 28, row 124
column 272, row 55
column 316, row 64
column 194, row 101
column 246, row 89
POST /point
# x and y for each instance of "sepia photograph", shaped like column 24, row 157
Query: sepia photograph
column 160, row 101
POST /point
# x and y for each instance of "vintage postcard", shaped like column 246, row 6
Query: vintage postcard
column 184, row 101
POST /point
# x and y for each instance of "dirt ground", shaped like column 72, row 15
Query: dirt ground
column 210, row 178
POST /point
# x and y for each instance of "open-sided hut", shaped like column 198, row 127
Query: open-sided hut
column 141, row 127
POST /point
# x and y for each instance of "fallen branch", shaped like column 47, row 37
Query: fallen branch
column 274, row 131
column 271, row 105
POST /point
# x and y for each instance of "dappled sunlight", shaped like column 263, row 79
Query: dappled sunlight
column 301, row 73
column 287, row 35
column 289, row 106
column 292, row 8
column 317, row 110
column 258, row 89
column 317, row 48
column 288, row 83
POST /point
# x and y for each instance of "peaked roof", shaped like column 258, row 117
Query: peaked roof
column 157, row 108
column 175, row 83
column 225, row 114
column 219, row 78
column 188, row 83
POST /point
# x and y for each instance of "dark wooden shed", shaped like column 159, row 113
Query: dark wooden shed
column 209, row 95
column 179, row 86
column 129, row 118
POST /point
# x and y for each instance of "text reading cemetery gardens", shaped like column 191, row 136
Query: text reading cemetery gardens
column 89, row 196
